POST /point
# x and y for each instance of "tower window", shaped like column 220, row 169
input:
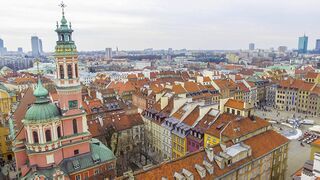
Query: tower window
column 61, row 71
column 76, row 69
column 48, row 135
column 59, row 131
column 76, row 152
column 62, row 37
column 35, row 137
column 69, row 71
column 75, row 126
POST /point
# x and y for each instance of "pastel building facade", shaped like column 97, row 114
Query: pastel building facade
column 54, row 141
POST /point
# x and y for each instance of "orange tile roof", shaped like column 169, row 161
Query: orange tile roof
column 311, row 75
column 95, row 128
column 243, row 87
column 192, row 117
column 127, row 87
column 245, row 126
column 206, row 79
column 178, row 89
column 296, row 84
column 191, row 86
column 225, row 84
column 132, row 76
column 236, row 104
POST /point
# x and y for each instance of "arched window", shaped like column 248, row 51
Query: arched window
column 62, row 37
column 61, row 72
column 76, row 69
column 69, row 71
column 75, row 126
column 35, row 137
column 48, row 135
column 59, row 131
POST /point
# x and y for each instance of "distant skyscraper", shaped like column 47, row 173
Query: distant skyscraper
column 303, row 44
column 1, row 44
column 318, row 45
column 36, row 45
column 40, row 46
column 108, row 53
column 251, row 46
column 3, row 50
column 20, row 50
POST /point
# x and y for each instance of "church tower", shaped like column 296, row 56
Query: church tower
column 54, row 141
column 67, row 77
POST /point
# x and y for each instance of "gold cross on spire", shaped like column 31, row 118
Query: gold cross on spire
column 62, row 5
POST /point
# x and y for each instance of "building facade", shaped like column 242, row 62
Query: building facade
column 54, row 140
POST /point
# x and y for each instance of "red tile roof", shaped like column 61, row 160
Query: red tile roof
column 236, row 104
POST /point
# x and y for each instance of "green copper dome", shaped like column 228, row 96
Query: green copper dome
column 42, row 110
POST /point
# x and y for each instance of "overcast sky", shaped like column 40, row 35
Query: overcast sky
column 140, row 24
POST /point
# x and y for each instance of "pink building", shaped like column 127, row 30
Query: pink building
column 54, row 141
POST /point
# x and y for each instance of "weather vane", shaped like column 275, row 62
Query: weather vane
column 62, row 5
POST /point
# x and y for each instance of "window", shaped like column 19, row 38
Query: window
column 75, row 126
column 78, row 177
column 69, row 68
column 96, row 171
column 59, row 131
column 62, row 37
column 76, row 151
column 35, row 137
column 48, row 135
column 76, row 69
column 73, row 104
column 61, row 72
column 238, row 113
column 50, row 158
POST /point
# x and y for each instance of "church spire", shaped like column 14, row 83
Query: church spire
column 63, row 20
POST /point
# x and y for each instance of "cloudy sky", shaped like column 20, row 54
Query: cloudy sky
column 140, row 24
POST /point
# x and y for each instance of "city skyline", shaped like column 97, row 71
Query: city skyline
column 162, row 24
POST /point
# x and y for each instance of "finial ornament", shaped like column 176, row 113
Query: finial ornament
column 37, row 63
column 62, row 5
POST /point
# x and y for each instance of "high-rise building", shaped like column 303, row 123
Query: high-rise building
column 40, row 46
column 54, row 142
column 108, row 53
column 1, row 44
column 317, row 45
column 251, row 46
column 303, row 44
column 3, row 50
column 35, row 46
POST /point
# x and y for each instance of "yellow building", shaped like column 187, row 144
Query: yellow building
column 210, row 140
column 179, row 140
column 6, row 100
column 5, row 144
